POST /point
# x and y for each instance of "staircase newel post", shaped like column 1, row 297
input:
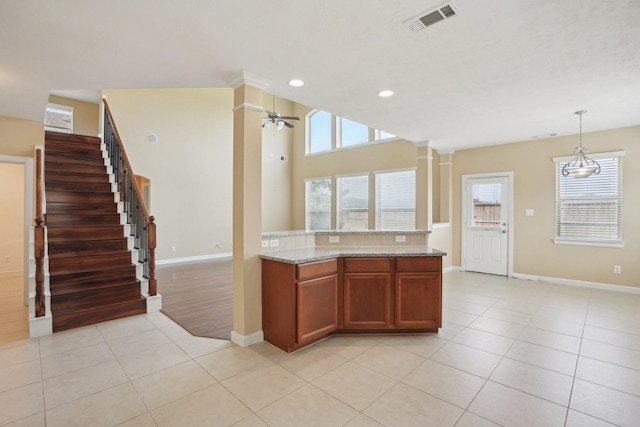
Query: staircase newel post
column 152, row 256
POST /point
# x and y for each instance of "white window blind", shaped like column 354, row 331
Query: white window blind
column 589, row 210
column 318, row 204
column 396, row 200
column 353, row 202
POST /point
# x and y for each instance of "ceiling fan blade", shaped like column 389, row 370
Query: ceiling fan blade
column 289, row 117
column 289, row 125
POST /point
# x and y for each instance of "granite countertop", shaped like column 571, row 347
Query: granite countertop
column 302, row 255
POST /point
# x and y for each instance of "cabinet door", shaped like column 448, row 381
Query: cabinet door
column 418, row 297
column 367, row 300
column 317, row 308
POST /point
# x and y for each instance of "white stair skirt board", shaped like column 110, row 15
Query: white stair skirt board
column 247, row 340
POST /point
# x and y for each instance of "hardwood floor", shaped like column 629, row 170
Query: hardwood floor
column 199, row 296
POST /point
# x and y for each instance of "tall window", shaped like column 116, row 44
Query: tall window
column 353, row 133
column 320, row 131
column 353, row 202
column 589, row 210
column 324, row 136
column 396, row 200
column 59, row 118
column 318, row 204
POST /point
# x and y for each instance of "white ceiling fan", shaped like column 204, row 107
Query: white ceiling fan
column 276, row 119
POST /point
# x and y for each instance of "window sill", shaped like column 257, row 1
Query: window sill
column 558, row 241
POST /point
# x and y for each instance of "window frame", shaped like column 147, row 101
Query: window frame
column 338, row 199
column 67, row 108
column 373, row 135
column 378, row 199
column 307, row 221
column 617, row 198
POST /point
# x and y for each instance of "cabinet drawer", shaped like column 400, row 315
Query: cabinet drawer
column 419, row 264
column 312, row 270
column 367, row 265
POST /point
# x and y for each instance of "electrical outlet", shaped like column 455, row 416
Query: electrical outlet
column 173, row 248
column 265, row 243
column 273, row 243
column 334, row 239
column 217, row 245
column 617, row 269
column 401, row 239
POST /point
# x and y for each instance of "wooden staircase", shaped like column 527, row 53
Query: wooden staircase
column 91, row 274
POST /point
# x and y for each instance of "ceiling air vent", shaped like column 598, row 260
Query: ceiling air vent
column 440, row 13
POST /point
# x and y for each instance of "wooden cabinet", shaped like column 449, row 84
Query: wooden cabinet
column 418, row 293
column 366, row 284
column 299, row 302
column 304, row 303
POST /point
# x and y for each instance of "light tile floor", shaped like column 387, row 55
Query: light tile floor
column 511, row 352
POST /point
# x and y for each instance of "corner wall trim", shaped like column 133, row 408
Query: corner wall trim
column 247, row 340
column 194, row 258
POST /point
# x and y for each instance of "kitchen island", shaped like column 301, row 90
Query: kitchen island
column 312, row 292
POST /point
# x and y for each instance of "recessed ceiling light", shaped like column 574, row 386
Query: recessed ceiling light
column 296, row 83
column 385, row 93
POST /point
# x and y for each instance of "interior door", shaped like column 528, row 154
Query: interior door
column 486, row 243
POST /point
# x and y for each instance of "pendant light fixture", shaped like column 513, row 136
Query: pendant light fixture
column 581, row 166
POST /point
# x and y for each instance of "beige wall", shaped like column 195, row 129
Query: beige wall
column 11, row 219
column 534, row 252
column 18, row 137
column 276, row 174
column 361, row 159
column 86, row 115
column 190, row 167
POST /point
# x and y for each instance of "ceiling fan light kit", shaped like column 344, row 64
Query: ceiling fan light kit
column 274, row 118
column 581, row 166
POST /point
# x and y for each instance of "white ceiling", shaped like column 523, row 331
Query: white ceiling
column 501, row 71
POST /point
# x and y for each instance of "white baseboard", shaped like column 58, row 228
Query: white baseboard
column 568, row 282
column 580, row 283
column 194, row 258
column 247, row 340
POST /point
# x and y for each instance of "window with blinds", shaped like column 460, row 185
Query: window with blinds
column 589, row 210
column 352, row 202
column 58, row 118
column 396, row 200
column 318, row 204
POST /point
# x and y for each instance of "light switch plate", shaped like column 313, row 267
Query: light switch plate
column 401, row 239
column 334, row 239
column 528, row 212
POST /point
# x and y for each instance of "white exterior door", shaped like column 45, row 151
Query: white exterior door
column 486, row 215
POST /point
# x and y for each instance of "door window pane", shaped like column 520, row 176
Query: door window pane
column 487, row 205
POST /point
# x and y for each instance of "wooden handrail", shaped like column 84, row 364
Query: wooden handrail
column 125, row 179
column 38, row 238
